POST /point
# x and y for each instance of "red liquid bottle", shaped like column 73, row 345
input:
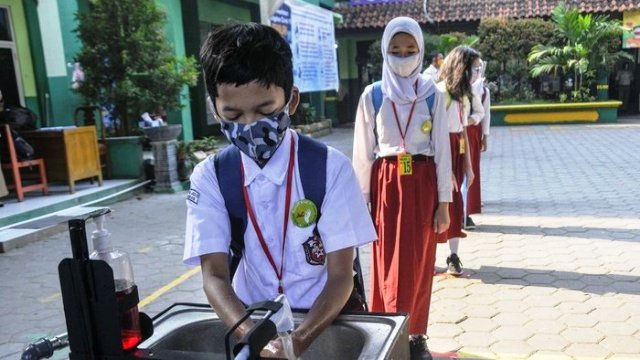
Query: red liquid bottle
column 123, row 277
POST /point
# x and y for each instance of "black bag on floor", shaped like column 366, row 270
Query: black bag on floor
column 19, row 118
column 24, row 150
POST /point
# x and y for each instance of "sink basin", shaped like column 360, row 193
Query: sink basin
column 197, row 333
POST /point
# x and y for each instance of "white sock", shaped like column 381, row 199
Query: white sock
column 454, row 243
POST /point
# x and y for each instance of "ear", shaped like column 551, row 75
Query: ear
column 295, row 100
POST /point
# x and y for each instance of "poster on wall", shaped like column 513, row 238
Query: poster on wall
column 309, row 30
column 631, row 36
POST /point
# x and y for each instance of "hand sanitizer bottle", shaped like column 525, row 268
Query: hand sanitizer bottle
column 123, row 277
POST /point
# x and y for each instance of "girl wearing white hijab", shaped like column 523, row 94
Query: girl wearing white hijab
column 403, row 163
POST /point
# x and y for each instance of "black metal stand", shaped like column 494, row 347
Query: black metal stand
column 90, row 306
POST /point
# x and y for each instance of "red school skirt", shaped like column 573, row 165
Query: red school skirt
column 456, row 208
column 404, row 255
column 474, row 195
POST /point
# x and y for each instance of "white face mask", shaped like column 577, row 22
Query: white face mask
column 403, row 66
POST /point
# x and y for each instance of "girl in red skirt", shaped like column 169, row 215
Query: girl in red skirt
column 478, row 132
column 403, row 163
column 459, row 71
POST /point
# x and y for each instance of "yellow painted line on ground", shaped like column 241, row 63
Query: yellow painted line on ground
column 49, row 298
column 175, row 282
column 551, row 117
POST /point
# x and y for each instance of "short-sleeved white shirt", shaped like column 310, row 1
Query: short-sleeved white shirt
column 345, row 222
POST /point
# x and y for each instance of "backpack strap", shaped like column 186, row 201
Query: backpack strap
column 227, row 162
column 376, row 97
column 312, row 163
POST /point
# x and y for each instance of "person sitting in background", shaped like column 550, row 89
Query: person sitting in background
column 435, row 61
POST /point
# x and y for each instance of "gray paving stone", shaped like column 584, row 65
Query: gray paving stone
column 587, row 351
column 482, row 339
column 513, row 349
column 583, row 335
column 622, row 344
column 548, row 342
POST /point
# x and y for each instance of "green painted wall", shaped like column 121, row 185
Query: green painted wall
column 218, row 12
column 22, row 46
column 64, row 101
column 175, row 34
column 36, row 103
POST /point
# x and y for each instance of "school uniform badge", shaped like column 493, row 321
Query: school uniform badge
column 314, row 250
column 304, row 213
column 193, row 196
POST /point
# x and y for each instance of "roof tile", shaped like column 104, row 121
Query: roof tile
column 378, row 15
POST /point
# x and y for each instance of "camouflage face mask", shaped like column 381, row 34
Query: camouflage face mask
column 260, row 139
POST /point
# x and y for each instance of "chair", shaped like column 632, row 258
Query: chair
column 89, row 118
column 15, row 165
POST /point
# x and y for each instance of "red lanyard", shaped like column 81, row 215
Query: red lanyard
column 406, row 128
column 285, row 223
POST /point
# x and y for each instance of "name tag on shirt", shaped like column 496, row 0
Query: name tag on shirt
column 405, row 165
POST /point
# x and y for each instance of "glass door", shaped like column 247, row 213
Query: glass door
column 10, row 83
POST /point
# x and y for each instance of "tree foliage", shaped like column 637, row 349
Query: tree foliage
column 128, row 62
column 585, row 50
column 505, row 44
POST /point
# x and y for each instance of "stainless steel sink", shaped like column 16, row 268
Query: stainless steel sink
column 197, row 333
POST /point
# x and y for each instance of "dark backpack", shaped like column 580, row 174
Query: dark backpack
column 312, row 162
column 19, row 118
column 24, row 150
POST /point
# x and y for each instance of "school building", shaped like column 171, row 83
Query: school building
column 364, row 22
column 38, row 45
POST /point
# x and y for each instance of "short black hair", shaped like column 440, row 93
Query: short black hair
column 241, row 53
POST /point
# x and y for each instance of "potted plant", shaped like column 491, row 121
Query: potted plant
column 129, row 68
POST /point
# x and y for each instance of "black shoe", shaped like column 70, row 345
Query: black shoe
column 454, row 266
column 469, row 224
column 418, row 348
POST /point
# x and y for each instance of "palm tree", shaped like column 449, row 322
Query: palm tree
column 583, row 52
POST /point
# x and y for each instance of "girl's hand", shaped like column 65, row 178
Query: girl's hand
column 483, row 147
column 455, row 183
column 468, row 172
column 441, row 218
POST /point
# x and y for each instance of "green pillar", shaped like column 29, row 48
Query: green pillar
column 37, row 56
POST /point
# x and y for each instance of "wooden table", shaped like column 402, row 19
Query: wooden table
column 70, row 153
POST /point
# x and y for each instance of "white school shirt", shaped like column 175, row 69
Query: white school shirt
column 432, row 72
column 486, row 105
column 452, row 110
column 345, row 222
column 389, row 141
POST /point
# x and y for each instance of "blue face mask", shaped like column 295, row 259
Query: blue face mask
column 260, row 139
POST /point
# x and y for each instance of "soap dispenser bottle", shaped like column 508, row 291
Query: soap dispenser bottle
column 126, row 290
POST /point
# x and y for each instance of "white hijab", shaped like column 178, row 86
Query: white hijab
column 397, row 88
